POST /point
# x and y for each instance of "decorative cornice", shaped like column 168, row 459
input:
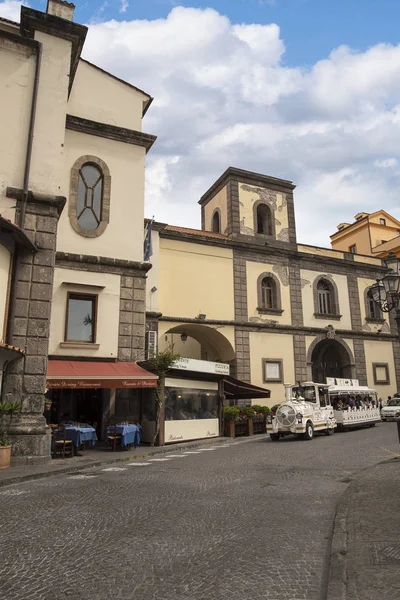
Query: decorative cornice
column 275, row 327
column 102, row 261
column 35, row 20
column 37, row 198
column 111, row 132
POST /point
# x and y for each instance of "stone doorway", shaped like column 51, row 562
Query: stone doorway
column 330, row 358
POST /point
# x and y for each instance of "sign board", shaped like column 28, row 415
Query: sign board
column 80, row 384
column 201, row 366
column 342, row 382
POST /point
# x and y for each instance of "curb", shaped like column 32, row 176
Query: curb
column 337, row 583
column 109, row 461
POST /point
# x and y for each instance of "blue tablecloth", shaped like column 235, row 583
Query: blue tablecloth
column 131, row 434
column 81, row 434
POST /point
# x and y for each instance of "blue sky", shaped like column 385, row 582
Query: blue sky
column 306, row 90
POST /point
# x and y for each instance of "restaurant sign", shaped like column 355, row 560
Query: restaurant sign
column 201, row 366
column 79, row 384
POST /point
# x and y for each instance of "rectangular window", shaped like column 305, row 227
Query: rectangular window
column 353, row 249
column 273, row 370
column 382, row 221
column 81, row 318
column 184, row 404
column 324, row 302
column 381, row 373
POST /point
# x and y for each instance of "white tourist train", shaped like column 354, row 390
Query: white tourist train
column 315, row 407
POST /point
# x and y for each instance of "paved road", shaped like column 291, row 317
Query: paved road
column 245, row 520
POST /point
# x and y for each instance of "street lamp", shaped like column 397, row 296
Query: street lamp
column 386, row 291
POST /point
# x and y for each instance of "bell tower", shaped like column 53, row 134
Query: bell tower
column 249, row 206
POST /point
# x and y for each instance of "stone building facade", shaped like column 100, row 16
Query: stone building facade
column 71, row 235
column 243, row 291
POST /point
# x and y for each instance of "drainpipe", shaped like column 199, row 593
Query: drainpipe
column 25, row 191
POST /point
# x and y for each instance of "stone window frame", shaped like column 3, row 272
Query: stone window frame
column 277, row 310
column 380, row 318
column 375, row 367
column 272, row 236
column 218, row 212
column 95, row 300
column 278, row 361
column 73, row 196
column 335, row 314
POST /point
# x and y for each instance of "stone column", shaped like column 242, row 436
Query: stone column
column 25, row 381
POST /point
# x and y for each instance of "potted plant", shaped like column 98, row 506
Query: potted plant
column 7, row 409
column 47, row 401
column 247, row 414
column 231, row 414
column 260, row 418
column 5, row 453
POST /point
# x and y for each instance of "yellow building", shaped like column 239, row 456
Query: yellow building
column 242, row 291
column 373, row 234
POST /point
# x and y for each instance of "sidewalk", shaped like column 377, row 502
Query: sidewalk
column 97, row 457
column 365, row 556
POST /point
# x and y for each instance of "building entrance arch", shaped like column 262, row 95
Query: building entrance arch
column 211, row 344
column 330, row 358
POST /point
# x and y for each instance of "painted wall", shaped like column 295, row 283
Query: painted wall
column 315, row 251
column 69, row 280
column 153, row 275
column 380, row 352
column 359, row 235
column 220, row 201
column 189, row 349
column 17, row 64
column 123, row 237
column 274, row 346
column 253, row 271
column 5, row 262
column 307, row 280
column 196, row 279
column 99, row 97
column 363, row 285
column 248, row 195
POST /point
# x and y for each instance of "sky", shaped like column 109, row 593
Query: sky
column 305, row 90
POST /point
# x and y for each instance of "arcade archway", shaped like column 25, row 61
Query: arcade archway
column 201, row 341
column 330, row 358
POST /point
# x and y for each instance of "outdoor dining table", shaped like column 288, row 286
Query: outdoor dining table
column 131, row 434
column 79, row 434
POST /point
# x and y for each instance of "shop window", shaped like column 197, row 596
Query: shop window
column 264, row 220
column 381, row 373
column 273, row 370
column 268, row 293
column 216, row 224
column 81, row 318
column 89, row 202
column 183, row 404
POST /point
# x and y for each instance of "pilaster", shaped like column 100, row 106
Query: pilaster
column 131, row 338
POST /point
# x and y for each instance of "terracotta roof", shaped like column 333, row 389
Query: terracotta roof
column 9, row 21
column 8, row 347
column 196, row 232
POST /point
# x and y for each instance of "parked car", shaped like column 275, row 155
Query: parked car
column 391, row 412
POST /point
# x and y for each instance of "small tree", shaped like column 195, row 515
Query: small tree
column 160, row 365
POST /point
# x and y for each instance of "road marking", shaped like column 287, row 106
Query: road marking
column 138, row 464
column 115, row 469
column 12, row 493
column 176, row 455
column 158, row 459
column 390, row 451
column 208, row 449
column 82, row 476
column 196, row 452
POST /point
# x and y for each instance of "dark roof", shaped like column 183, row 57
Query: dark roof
column 18, row 234
column 9, row 21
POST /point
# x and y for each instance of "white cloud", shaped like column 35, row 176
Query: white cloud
column 124, row 6
column 10, row 9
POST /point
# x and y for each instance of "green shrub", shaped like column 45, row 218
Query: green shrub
column 248, row 411
column 262, row 410
column 275, row 407
column 4, row 442
column 231, row 413
column 9, row 407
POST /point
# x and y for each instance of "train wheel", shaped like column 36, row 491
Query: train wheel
column 274, row 437
column 309, row 433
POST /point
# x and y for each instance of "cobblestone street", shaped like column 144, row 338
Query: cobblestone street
column 239, row 520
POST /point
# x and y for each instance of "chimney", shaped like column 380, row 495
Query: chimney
column 61, row 9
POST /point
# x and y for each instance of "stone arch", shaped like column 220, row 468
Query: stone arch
column 256, row 206
column 335, row 297
column 277, row 309
column 209, row 338
column 330, row 358
column 216, row 220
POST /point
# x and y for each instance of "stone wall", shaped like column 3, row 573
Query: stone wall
column 131, row 338
column 25, row 379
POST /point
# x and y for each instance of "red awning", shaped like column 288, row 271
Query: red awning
column 74, row 374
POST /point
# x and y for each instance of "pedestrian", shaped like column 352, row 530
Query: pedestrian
column 380, row 404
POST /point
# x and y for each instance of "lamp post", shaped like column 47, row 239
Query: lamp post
column 386, row 294
column 386, row 291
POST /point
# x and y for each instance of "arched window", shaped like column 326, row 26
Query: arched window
column 268, row 293
column 216, row 225
column 90, row 196
column 373, row 310
column 325, row 297
column 264, row 219
column 89, row 200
